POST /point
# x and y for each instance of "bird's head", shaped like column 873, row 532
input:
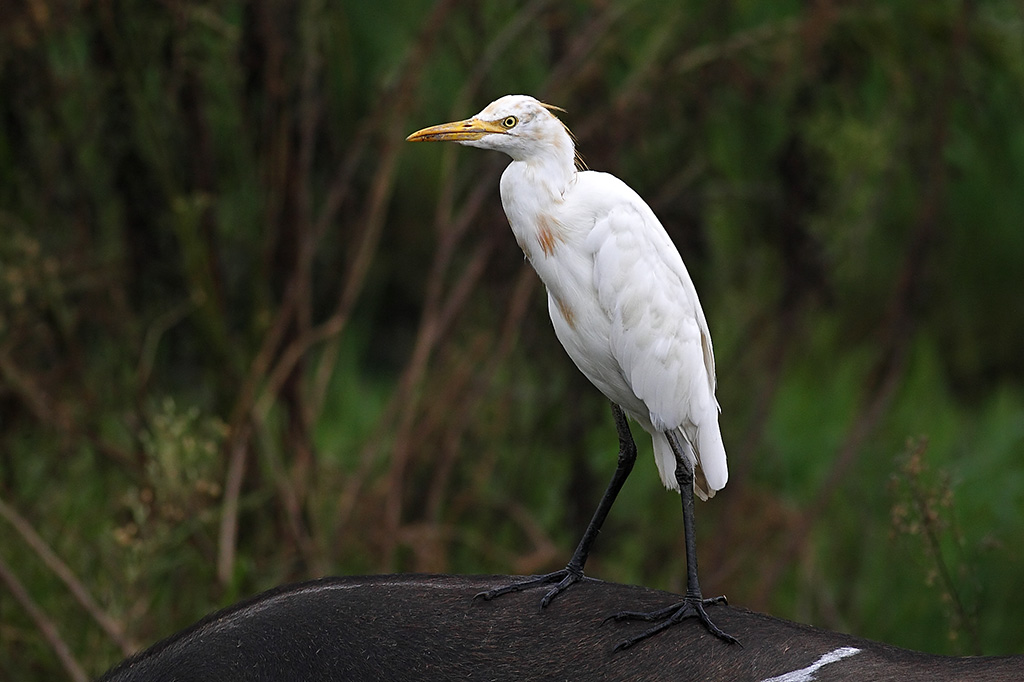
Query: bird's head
column 518, row 125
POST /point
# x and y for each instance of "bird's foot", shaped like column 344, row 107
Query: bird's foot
column 690, row 607
column 562, row 579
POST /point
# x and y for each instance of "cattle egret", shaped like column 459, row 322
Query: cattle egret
column 626, row 311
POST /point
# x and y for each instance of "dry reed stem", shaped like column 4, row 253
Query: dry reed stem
column 45, row 626
column 79, row 591
column 270, row 374
column 897, row 331
column 237, row 444
column 438, row 316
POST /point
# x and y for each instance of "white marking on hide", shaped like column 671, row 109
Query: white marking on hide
column 268, row 602
column 807, row 674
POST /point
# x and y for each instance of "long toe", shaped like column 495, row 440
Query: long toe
column 669, row 616
column 647, row 616
column 563, row 579
column 698, row 606
column 662, row 614
column 571, row 577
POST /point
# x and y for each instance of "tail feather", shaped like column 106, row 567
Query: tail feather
column 710, row 469
column 712, row 457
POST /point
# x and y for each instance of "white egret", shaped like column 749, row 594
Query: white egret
column 626, row 311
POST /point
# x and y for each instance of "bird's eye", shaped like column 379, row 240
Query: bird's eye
column 509, row 122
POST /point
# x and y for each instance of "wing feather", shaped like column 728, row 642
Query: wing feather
column 659, row 335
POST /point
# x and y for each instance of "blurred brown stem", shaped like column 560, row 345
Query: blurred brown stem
column 931, row 525
column 44, row 624
column 439, row 310
column 897, row 331
column 80, row 592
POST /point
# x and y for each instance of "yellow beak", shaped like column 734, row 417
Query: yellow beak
column 458, row 131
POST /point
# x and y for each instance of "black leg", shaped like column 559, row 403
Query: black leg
column 693, row 602
column 573, row 572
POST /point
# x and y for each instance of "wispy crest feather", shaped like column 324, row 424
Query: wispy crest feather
column 577, row 157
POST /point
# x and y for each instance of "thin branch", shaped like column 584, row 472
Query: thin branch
column 703, row 55
column 899, row 325
column 438, row 313
column 228, row 533
column 287, row 493
column 80, row 592
column 310, row 109
column 52, row 413
column 155, row 331
column 392, row 108
column 32, row 396
column 931, row 528
column 236, row 444
column 436, row 319
column 44, row 624
column 516, row 310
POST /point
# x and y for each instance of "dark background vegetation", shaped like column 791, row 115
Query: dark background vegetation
column 249, row 336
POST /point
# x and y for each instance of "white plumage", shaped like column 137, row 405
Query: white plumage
column 620, row 298
column 625, row 310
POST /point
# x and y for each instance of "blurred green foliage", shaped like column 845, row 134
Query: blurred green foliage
column 248, row 336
